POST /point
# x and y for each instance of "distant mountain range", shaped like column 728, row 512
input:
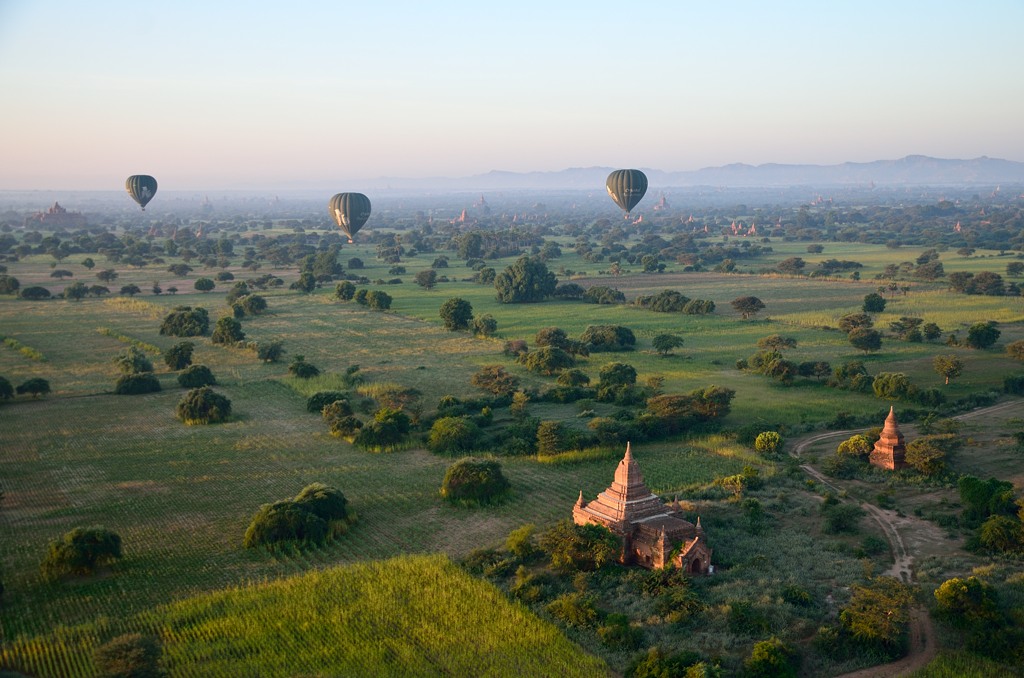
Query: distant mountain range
column 912, row 170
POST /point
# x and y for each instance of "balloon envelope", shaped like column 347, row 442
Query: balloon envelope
column 626, row 187
column 350, row 211
column 142, row 188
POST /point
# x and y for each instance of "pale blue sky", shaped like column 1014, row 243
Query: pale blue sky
column 217, row 95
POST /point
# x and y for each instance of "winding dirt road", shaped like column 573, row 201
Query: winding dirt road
column 922, row 647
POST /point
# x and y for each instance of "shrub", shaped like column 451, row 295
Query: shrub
column 203, row 406
column 574, row 547
column 457, row 314
column 771, row 659
column 270, row 351
column 131, row 655
column 453, row 435
column 474, row 480
column 196, row 376
column 228, row 331
column 80, row 552
column 323, row 501
column 520, row 541
column 608, row 338
column 284, row 521
column 574, row 609
column 301, row 369
column 179, row 356
column 133, row 361
column 768, row 442
column 320, row 399
column 136, row 384
column 185, row 321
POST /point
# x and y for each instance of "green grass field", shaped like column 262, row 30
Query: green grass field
column 181, row 497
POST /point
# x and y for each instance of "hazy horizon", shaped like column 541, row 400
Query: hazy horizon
column 278, row 97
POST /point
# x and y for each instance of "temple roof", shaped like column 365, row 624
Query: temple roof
column 627, row 499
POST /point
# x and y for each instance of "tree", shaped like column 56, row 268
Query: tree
column 982, row 335
column 1015, row 269
column 485, row 325
column 9, row 284
column 572, row 378
column 1001, row 533
column 747, row 306
column 76, row 291
column 345, row 290
column 378, row 300
column 792, row 265
column 131, row 655
column 185, row 321
column 130, row 290
column 874, row 303
column 771, row 659
column 931, row 331
column 453, row 435
column 866, row 340
column 301, row 369
column 948, row 366
column 108, row 275
column 552, row 336
column 494, row 379
column 856, row 446
column 133, row 361
column 203, row 406
column 196, row 376
column 89, row 264
column 617, row 374
column 427, row 278
column 855, row 321
column 35, row 292
column 306, row 283
column 136, row 383
column 270, row 351
column 665, row 343
column 250, row 304
column 548, row 360
column 35, row 387
column 776, row 342
column 599, row 338
column 966, row 602
column 457, row 314
column 551, row 437
column 526, row 281
column 878, row 612
column 768, row 442
column 204, row 285
column 926, row 457
column 323, row 501
column 6, row 389
column 579, row 547
column 472, row 480
column 284, row 521
column 80, row 552
column 891, row 385
column 1016, row 350
column 389, row 428
column 228, row 331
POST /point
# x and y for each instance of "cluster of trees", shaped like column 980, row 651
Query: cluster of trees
column 992, row 510
column 34, row 387
column 988, row 622
column 672, row 301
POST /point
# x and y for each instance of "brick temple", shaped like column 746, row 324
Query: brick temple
column 653, row 533
column 890, row 452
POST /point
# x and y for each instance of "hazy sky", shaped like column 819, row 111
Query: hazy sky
column 279, row 94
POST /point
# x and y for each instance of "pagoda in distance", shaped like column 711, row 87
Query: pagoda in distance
column 890, row 451
column 653, row 534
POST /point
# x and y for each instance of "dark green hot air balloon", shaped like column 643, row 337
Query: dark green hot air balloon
column 350, row 211
column 142, row 188
column 626, row 187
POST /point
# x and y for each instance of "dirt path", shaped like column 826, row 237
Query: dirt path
column 922, row 647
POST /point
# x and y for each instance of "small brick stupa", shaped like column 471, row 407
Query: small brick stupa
column 890, row 451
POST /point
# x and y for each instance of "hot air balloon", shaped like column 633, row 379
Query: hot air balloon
column 626, row 187
column 350, row 211
column 142, row 188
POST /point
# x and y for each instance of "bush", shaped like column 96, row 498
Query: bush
column 474, row 480
column 133, row 361
column 185, row 321
column 179, row 356
column 80, row 552
column 284, row 521
column 323, row 501
column 196, row 376
column 768, row 442
column 608, row 338
column 316, row 402
column 301, row 369
column 574, row 609
column 574, row 547
column 771, row 659
column 203, row 406
column 136, row 384
column 228, row 331
column 131, row 655
column 453, row 435
column 520, row 541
